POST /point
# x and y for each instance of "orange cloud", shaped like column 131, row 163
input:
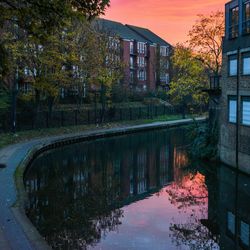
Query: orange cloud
column 171, row 19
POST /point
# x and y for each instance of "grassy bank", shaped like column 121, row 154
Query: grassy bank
column 22, row 136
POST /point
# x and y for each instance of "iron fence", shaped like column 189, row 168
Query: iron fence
column 63, row 118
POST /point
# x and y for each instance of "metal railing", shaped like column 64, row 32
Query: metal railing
column 31, row 120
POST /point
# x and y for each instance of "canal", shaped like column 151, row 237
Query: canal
column 138, row 191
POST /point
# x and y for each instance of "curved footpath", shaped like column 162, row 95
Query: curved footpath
column 16, row 231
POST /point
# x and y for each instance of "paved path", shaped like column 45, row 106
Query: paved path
column 12, row 233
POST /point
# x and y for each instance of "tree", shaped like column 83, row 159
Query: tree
column 31, row 14
column 205, row 38
column 40, row 19
column 4, row 93
column 189, row 79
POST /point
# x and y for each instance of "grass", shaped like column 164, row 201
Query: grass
column 22, row 136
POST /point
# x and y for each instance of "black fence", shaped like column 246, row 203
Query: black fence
column 40, row 120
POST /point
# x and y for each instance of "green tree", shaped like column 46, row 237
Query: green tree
column 33, row 15
column 189, row 79
column 44, row 65
column 40, row 19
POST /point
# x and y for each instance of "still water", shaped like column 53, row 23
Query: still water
column 138, row 191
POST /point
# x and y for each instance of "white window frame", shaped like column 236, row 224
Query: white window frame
column 131, row 47
column 163, row 51
column 142, row 74
column 232, row 109
column 131, row 62
column 141, row 47
column 246, row 65
column 245, row 111
column 233, row 66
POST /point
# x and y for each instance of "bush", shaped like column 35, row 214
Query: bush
column 120, row 93
column 204, row 141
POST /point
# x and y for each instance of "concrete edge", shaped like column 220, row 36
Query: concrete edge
column 18, row 208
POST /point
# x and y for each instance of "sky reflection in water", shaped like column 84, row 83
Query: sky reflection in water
column 130, row 192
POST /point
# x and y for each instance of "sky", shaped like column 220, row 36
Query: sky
column 170, row 19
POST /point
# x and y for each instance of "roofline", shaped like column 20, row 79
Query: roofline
column 132, row 27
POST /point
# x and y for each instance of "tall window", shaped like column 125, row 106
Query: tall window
column 234, row 22
column 163, row 51
column 142, row 75
column 244, row 233
column 231, row 222
column 232, row 65
column 131, row 47
column 131, row 77
column 131, row 62
column 246, row 64
column 232, row 108
column 141, row 47
column 141, row 61
column 246, row 111
column 246, row 15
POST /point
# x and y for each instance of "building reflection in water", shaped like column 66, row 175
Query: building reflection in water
column 76, row 192
column 86, row 195
column 230, row 208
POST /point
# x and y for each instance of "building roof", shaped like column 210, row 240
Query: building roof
column 118, row 29
column 149, row 35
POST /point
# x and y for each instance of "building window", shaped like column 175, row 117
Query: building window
column 246, row 16
column 233, row 65
column 167, row 64
column 246, row 64
column 27, row 71
column 163, row 51
column 141, row 61
column 244, row 233
column 141, row 47
column 232, row 107
column 167, row 78
column 234, row 23
column 131, row 76
column 142, row 75
column 246, row 111
column 131, row 62
column 131, row 47
column 231, row 222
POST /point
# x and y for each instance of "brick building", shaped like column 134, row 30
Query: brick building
column 235, row 86
column 146, row 56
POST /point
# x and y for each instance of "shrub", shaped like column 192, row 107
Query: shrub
column 204, row 141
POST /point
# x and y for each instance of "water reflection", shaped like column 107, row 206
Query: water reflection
column 136, row 192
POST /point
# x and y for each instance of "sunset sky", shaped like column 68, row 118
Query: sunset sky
column 171, row 19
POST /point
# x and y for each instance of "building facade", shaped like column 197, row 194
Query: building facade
column 234, row 146
column 145, row 55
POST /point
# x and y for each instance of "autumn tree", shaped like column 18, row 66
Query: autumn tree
column 41, row 15
column 188, row 81
column 205, row 38
column 40, row 19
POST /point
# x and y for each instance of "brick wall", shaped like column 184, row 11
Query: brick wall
column 227, row 140
column 126, row 58
column 152, row 68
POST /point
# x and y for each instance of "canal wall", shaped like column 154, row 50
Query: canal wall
column 16, row 231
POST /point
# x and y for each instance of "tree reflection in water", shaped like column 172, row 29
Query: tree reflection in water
column 70, row 211
column 76, row 192
column 190, row 196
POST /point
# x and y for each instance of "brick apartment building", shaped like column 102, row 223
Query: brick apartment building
column 146, row 56
column 235, row 86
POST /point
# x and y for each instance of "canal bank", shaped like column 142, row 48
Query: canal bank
column 16, row 231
